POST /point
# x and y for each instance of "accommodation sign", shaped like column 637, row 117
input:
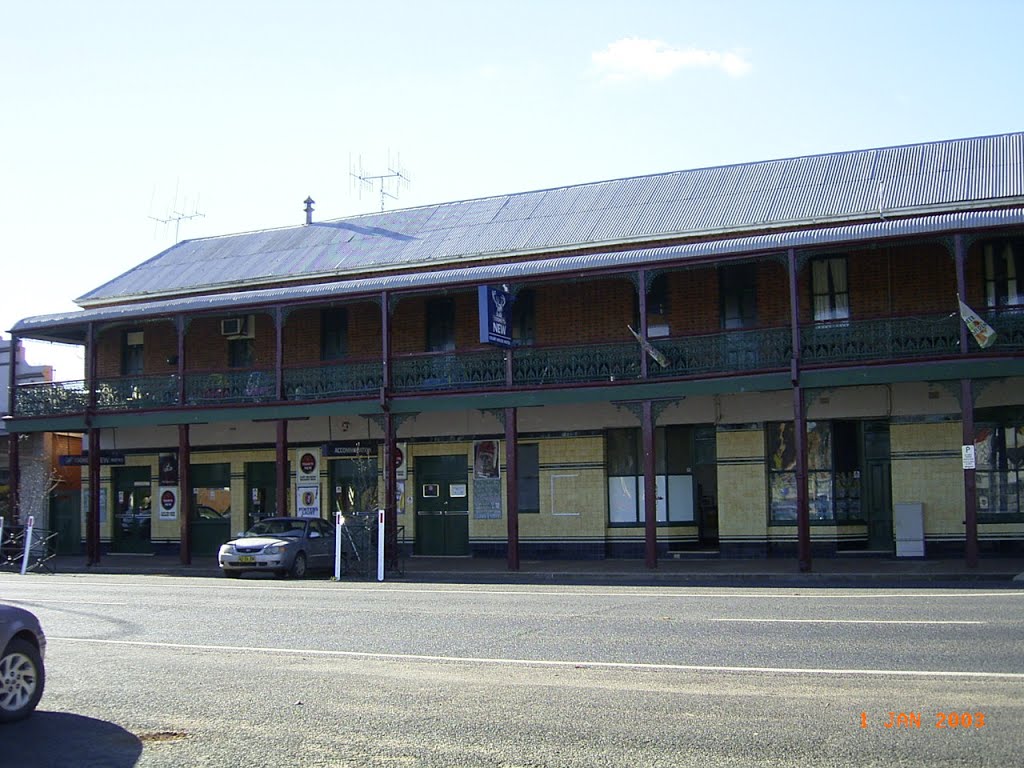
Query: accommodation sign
column 494, row 309
column 107, row 459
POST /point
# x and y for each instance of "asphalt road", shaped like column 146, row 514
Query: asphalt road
column 177, row 671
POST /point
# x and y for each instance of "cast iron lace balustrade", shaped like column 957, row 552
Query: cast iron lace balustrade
column 137, row 393
column 536, row 366
column 227, row 387
column 726, row 352
column 1008, row 323
column 350, row 379
column 448, row 371
column 57, row 398
column 892, row 338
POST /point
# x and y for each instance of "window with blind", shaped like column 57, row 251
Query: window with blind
column 830, row 293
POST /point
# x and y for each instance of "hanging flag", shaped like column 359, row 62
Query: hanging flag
column 982, row 331
column 655, row 354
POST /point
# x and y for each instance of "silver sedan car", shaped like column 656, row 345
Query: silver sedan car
column 284, row 546
column 22, row 675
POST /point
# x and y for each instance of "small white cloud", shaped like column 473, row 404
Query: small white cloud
column 635, row 58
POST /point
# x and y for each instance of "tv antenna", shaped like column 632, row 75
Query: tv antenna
column 395, row 179
column 175, row 215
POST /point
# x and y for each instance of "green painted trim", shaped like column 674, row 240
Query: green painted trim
column 947, row 370
column 46, row 424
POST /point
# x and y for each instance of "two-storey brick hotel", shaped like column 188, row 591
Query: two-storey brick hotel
column 760, row 359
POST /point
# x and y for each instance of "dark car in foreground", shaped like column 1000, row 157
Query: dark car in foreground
column 280, row 545
column 22, row 675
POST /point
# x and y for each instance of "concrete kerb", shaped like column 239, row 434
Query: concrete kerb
column 1008, row 573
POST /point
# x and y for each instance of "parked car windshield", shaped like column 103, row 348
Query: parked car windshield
column 277, row 528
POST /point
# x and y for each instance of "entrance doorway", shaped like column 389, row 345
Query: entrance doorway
column 877, row 486
column 442, row 506
column 260, row 491
column 132, row 511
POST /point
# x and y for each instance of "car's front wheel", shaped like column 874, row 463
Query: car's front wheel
column 298, row 566
column 22, row 678
column 232, row 574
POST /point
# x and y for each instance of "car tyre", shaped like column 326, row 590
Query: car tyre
column 22, row 678
column 298, row 569
column 232, row 574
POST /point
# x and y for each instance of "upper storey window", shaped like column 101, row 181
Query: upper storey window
column 132, row 354
column 829, row 289
column 1003, row 263
column 739, row 296
column 440, row 325
column 333, row 333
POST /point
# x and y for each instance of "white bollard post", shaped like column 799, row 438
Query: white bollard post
column 28, row 543
column 338, row 522
column 380, row 545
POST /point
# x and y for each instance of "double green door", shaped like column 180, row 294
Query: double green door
column 442, row 506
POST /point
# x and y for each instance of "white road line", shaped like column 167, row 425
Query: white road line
column 31, row 600
column 579, row 664
column 819, row 593
column 844, row 621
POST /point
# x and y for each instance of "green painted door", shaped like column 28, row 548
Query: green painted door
column 66, row 517
column 132, row 510
column 877, row 486
column 442, row 505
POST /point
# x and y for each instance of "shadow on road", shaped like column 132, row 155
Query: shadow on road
column 61, row 740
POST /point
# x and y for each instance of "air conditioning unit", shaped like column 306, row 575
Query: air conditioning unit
column 239, row 327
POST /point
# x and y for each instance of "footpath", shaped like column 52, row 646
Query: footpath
column 992, row 571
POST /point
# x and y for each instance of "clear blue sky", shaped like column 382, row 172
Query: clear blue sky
column 113, row 112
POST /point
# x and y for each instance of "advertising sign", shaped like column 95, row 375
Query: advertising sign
column 307, row 501
column 167, row 502
column 307, row 466
column 493, row 309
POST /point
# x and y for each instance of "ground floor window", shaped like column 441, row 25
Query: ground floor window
column 673, row 475
column 999, row 459
column 211, row 491
column 833, row 471
column 528, row 485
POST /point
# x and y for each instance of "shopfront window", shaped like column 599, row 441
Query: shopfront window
column 833, row 471
column 673, row 476
column 999, row 460
column 211, row 491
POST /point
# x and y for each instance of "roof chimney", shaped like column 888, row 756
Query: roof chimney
column 309, row 209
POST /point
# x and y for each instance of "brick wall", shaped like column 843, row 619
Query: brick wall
column 906, row 280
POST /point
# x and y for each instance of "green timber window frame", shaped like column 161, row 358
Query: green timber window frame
column 333, row 333
column 241, row 353
column 999, row 472
column 524, row 323
column 673, row 476
column 132, row 353
column 1004, row 270
column 833, row 472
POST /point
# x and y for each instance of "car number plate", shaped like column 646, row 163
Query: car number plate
column 246, row 559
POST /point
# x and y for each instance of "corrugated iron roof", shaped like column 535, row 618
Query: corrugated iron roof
column 70, row 326
column 776, row 194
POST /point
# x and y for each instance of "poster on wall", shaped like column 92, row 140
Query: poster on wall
column 400, row 499
column 307, row 500
column 85, row 505
column 168, row 502
column 401, row 464
column 307, row 466
column 168, row 469
column 485, row 458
